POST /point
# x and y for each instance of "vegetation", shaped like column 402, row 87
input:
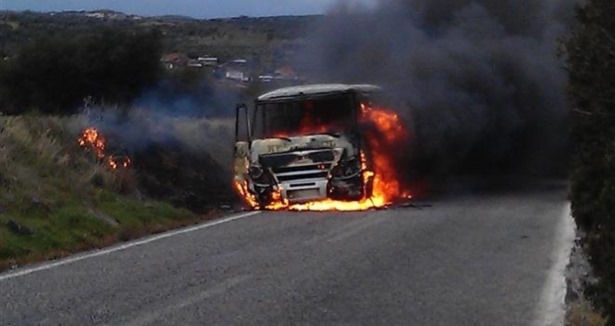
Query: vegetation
column 591, row 62
column 55, row 74
column 51, row 63
column 55, row 198
column 265, row 40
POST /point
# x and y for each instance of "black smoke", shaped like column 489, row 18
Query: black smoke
column 479, row 82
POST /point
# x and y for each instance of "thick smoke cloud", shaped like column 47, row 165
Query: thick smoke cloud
column 199, row 120
column 479, row 81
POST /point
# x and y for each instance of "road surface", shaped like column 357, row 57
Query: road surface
column 470, row 259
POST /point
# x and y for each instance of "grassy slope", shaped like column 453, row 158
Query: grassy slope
column 55, row 199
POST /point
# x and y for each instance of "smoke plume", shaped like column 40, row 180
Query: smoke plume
column 180, row 142
column 479, row 81
column 199, row 120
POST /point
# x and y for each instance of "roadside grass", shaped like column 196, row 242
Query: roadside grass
column 214, row 135
column 55, row 199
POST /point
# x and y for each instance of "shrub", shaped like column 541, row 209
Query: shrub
column 590, row 54
column 54, row 74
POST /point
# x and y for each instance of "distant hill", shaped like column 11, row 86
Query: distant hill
column 266, row 39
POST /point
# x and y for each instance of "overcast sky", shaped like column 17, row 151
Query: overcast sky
column 193, row 8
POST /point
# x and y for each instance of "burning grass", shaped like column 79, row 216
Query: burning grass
column 183, row 160
column 56, row 198
column 92, row 140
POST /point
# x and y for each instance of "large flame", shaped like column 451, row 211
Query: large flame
column 384, row 133
column 389, row 137
column 93, row 140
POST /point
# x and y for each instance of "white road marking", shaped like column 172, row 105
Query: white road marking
column 124, row 246
column 551, row 306
column 220, row 288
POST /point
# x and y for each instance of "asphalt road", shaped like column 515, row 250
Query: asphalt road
column 469, row 259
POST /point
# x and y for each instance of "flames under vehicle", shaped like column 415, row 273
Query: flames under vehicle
column 304, row 144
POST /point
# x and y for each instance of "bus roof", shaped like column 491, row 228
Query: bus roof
column 317, row 89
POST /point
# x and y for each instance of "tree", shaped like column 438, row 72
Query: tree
column 54, row 74
column 590, row 55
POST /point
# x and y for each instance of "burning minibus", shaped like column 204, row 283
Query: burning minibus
column 311, row 148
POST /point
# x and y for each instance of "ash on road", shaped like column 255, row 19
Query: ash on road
column 468, row 260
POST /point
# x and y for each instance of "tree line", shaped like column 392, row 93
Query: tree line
column 55, row 73
column 590, row 54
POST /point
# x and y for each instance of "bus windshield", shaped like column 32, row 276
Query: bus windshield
column 305, row 117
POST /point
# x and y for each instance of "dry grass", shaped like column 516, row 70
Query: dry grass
column 216, row 136
column 57, row 192
column 581, row 313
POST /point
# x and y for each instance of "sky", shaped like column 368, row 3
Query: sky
column 192, row 8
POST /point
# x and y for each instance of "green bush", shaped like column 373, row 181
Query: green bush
column 54, row 74
column 590, row 54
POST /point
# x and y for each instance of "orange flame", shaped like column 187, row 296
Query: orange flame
column 306, row 127
column 92, row 139
column 384, row 134
column 390, row 133
column 242, row 189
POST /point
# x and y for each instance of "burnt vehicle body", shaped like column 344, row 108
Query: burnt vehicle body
column 301, row 144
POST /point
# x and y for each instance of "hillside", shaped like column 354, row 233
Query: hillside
column 57, row 197
column 263, row 39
